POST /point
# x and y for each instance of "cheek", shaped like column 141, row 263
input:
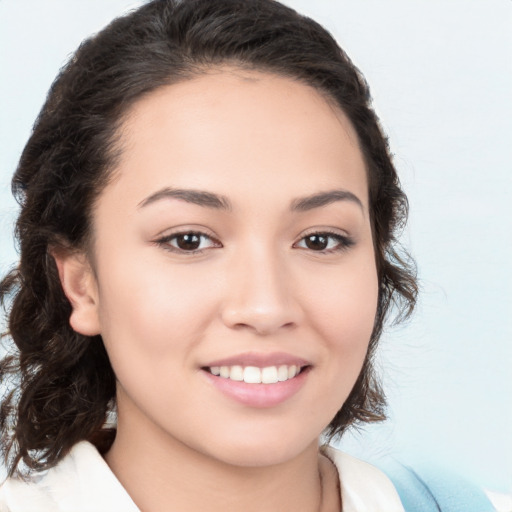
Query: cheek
column 149, row 314
column 343, row 311
column 345, row 305
column 343, row 315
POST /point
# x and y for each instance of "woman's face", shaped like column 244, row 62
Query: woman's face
column 234, row 238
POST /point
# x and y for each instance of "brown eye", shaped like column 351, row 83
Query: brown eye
column 187, row 241
column 325, row 242
column 317, row 242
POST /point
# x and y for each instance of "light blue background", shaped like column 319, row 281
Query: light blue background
column 441, row 74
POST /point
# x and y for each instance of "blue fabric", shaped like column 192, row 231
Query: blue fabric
column 427, row 489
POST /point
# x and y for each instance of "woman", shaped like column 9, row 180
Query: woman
column 207, row 259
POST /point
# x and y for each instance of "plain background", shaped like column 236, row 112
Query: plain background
column 441, row 77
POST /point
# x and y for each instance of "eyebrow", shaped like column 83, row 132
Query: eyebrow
column 304, row 204
column 199, row 197
column 219, row 202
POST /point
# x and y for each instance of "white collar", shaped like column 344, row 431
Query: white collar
column 83, row 482
column 80, row 482
column 364, row 488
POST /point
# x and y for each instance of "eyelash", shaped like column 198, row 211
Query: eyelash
column 343, row 242
column 166, row 240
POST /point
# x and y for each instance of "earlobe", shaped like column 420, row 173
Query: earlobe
column 79, row 285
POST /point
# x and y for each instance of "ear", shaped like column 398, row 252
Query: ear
column 80, row 287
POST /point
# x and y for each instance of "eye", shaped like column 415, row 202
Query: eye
column 188, row 242
column 325, row 242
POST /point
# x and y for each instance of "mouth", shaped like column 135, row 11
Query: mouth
column 255, row 374
column 258, row 380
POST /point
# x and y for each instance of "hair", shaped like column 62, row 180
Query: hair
column 65, row 386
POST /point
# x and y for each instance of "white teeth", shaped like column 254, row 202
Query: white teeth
column 252, row 375
column 255, row 375
column 282, row 373
column 269, row 375
column 292, row 371
column 236, row 373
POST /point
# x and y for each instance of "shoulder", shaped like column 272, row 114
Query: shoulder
column 428, row 487
column 396, row 487
column 363, row 487
column 81, row 482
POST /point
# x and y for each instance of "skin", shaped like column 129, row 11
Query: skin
column 261, row 142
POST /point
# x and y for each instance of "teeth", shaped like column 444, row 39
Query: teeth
column 269, row 375
column 236, row 373
column 282, row 373
column 255, row 375
column 252, row 375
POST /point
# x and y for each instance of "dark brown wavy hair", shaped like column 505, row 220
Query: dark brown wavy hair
column 62, row 386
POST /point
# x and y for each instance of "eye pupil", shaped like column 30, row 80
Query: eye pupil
column 316, row 242
column 188, row 241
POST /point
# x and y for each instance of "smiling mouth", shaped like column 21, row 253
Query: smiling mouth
column 255, row 375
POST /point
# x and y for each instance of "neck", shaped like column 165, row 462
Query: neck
column 169, row 475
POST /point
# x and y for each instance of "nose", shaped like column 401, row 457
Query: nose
column 259, row 295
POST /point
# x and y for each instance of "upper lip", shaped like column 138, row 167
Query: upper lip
column 259, row 360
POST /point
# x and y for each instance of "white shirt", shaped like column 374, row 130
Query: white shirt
column 83, row 482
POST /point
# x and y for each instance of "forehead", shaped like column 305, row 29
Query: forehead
column 245, row 128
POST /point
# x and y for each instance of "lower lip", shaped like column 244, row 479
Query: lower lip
column 259, row 395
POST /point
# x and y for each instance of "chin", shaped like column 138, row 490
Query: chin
column 261, row 451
